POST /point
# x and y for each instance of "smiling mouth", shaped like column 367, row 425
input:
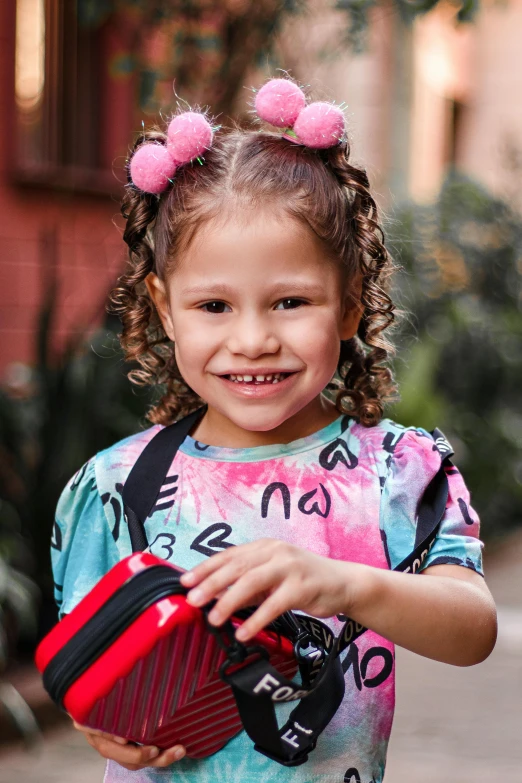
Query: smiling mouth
column 258, row 380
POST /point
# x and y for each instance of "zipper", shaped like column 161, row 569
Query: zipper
column 120, row 610
column 123, row 607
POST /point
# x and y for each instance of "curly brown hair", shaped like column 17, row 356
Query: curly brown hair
column 320, row 188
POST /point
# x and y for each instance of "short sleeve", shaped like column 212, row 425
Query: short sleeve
column 82, row 546
column 414, row 462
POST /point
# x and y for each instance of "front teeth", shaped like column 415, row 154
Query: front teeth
column 274, row 378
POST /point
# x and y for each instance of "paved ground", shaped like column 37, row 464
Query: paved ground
column 464, row 725
column 452, row 725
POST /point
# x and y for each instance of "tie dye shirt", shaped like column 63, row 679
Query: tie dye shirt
column 347, row 492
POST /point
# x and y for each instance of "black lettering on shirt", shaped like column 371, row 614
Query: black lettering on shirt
column 167, row 547
column 383, row 673
column 360, row 669
column 165, row 498
column 464, row 511
column 78, row 477
column 116, row 507
column 337, row 451
column 200, row 446
column 215, row 543
column 267, row 494
column 314, row 508
column 345, row 423
column 56, row 540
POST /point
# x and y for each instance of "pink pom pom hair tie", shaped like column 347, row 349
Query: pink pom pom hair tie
column 153, row 165
column 188, row 136
column 281, row 103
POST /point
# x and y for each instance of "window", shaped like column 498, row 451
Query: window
column 74, row 108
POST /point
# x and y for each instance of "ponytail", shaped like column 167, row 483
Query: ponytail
column 143, row 338
column 367, row 384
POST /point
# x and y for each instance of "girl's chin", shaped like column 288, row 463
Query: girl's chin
column 256, row 419
column 262, row 417
column 260, row 407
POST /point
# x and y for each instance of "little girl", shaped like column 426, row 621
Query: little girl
column 257, row 280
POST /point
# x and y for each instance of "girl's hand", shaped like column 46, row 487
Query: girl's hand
column 277, row 575
column 127, row 755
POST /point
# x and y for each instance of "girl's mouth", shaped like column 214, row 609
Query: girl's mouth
column 258, row 380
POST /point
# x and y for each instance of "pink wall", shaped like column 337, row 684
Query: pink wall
column 310, row 48
column 89, row 250
column 492, row 146
column 477, row 66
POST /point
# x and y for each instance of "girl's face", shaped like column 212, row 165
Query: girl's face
column 256, row 310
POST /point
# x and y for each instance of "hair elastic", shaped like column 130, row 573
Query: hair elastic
column 282, row 103
column 154, row 164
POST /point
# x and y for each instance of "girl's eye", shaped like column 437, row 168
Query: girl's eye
column 216, row 308
column 290, row 304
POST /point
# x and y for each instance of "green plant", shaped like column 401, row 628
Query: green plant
column 19, row 599
column 210, row 46
column 462, row 369
column 79, row 403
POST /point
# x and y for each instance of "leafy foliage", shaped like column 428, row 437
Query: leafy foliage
column 80, row 404
column 18, row 593
column 19, row 599
column 357, row 13
column 462, row 278
column 205, row 49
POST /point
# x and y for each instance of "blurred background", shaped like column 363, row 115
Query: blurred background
column 434, row 97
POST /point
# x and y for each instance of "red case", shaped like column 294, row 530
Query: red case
column 158, row 682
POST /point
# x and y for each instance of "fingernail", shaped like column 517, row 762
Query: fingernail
column 214, row 617
column 153, row 752
column 178, row 754
column 120, row 740
column 187, row 578
column 241, row 634
column 195, row 597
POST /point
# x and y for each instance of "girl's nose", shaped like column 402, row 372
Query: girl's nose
column 252, row 337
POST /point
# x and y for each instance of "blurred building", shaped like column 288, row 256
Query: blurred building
column 420, row 99
column 67, row 116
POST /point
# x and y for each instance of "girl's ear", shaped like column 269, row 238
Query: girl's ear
column 352, row 313
column 351, row 319
column 158, row 293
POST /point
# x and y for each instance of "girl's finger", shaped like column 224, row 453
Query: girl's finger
column 166, row 758
column 98, row 733
column 207, row 567
column 243, row 592
column 169, row 756
column 141, row 755
column 199, row 572
column 229, row 574
column 280, row 601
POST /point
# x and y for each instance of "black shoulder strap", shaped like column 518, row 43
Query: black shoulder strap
column 433, row 502
column 143, row 483
column 430, row 512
